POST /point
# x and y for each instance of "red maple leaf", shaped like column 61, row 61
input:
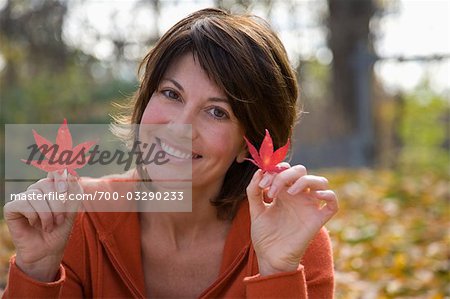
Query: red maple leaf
column 266, row 159
column 61, row 155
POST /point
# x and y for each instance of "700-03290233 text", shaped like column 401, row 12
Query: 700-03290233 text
column 100, row 195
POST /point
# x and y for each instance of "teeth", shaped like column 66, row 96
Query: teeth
column 174, row 152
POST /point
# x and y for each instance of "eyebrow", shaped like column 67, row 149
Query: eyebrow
column 212, row 99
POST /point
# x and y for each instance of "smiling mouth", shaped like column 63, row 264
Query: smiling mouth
column 177, row 153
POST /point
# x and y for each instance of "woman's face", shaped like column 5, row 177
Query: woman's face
column 195, row 112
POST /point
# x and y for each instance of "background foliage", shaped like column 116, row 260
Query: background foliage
column 391, row 236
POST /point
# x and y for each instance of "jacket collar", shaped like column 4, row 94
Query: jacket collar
column 238, row 237
column 120, row 235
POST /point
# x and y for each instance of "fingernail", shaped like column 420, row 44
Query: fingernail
column 62, row 187
column 272, row 192
column 59, row 219
column 264, row 182
column 320, row 193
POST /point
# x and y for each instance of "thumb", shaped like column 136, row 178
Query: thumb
column 255, row 195
column 74, row 188
column 60, row 180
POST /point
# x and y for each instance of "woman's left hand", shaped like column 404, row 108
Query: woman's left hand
column 282, row 230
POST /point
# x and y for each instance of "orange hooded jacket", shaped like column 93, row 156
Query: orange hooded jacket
column 103, row 260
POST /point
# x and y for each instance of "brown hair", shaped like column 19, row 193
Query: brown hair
column 245, row 58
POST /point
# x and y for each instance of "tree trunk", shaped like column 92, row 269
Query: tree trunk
column 348, row 25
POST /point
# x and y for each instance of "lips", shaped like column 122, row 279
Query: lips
column 176, row 151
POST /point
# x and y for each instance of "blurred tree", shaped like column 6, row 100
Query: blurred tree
column 42, row 79
column 340, row 131
column 348, row 24
column 37, row 26
column 344, row 125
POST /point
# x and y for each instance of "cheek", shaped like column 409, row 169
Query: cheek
column 225, row 142
column 153, row 113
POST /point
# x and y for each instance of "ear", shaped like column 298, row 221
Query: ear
column 242, row 154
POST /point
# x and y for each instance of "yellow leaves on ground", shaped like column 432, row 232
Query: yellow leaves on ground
column 6, row 251
column 391, row 235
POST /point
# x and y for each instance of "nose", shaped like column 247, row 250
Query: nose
column 182, row 125
column 180, row 130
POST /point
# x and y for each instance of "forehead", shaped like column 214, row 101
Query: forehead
column 188, row 72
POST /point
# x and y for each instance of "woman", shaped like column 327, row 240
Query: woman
column 229, row 77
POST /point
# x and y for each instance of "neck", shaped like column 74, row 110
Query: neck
column 183, row 229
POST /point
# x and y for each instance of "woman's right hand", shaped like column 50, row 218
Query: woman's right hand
column 40, row 228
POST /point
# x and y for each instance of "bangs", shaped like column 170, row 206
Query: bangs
column 218, row 54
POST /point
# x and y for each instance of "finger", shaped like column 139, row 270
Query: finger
column 36, row 185
column 53, row 198
column 74, row 188
column 286, row 178
column 21, row 209
column 331, row 203
column 34, row 192
column 268, row 176
column 308, row 181
column 58, row 208
column 62, row 186
column 266, row 180
column 285, row 165
column 255, row 194
column 42, row 209
column 60, row 181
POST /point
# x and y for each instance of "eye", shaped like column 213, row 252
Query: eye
column 218, row 113
column 169, row 93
